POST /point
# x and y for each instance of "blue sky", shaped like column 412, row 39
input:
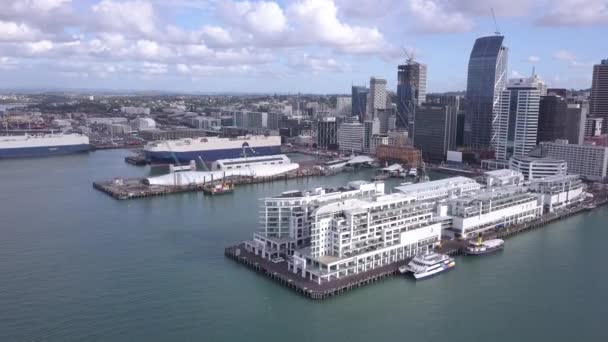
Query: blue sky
column 319, row 46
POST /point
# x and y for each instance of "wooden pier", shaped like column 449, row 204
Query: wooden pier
column 278, row 271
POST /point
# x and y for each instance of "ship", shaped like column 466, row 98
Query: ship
column 484, row 247
column 40, row 145
column 428, row 265
column 209, row 149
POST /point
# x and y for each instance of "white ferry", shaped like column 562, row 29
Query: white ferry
column 484, row 247
column 428, row 265
column 413, row 172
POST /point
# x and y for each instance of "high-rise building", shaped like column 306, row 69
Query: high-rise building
column 552, row 118
column 515, row 126
column 376, row 97
column 587, row 161
column 359, row 102
column 593, row 127
column 599, row 92
column 411, row 91
column 575, row 122
column 386, row 120
column 435, row 132
column 486, row 78
column 350, row 137
column 327, row 133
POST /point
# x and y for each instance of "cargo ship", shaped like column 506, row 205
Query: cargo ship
column 209, row 149
column 17, row 146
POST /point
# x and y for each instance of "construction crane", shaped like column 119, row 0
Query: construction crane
column 497, row 32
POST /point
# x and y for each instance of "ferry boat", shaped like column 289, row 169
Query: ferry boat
column 210, row 149
column 428, row 265
column 484, row 247
column 413, row 172
column 40, row 145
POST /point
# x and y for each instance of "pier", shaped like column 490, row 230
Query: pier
column 131, row 188
column 279, row 273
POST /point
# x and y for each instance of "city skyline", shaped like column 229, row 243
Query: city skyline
column 309, row 46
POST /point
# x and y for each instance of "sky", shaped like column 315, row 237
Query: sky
column 288, row 46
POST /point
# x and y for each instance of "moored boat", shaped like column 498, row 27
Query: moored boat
column 484, row 247
column 428, row 265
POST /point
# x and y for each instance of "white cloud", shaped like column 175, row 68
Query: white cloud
column 576, row 13
column 570, row 58
column 533, row 59
column 125, row 17
column 308, row 63
column 316, row 22
column 263, row 17
column 17, row 32
column 431, row 16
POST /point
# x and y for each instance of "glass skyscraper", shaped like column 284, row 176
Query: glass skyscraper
column 359, row 102
column 411, row 92
column 486, row 79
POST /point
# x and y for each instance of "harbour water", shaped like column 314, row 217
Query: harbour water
column 76, row 264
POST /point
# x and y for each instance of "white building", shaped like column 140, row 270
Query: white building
column 135, row 110
column 534, row 168
column 377, row 97
column 358, row 235
column 204, row 122
column 503, row 177
column 143, row 124
column 350, row 137
column 285, row 220
column 237, row 163
column 559, row 191
column 493, row 208
column 588, row 161
column 441, row 189
column 515, row 127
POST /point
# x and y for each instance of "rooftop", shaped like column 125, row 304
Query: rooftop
column 436, row 184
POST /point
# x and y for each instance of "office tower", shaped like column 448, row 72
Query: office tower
column 599, row 92
column 376, row 97
column 327, row 133
column 386, row 120
column 359, row 102
column 350, row 137
column 411, row 91
column 486, row 79
column 447, row 100
column 593, row 127
column 552, row 118
column 558, row 92
column 515, row 126
column 435, row 132
column 369, row 128
column 575, row 122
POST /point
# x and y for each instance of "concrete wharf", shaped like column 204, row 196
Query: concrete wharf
column 278, row 271
column 131, row 188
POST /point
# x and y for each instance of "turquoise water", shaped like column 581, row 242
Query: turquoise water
column 77, row 265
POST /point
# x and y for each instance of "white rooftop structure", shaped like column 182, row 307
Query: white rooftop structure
column 440, row 189
column 503, row 177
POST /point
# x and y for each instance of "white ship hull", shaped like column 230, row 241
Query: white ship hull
column 42, row 145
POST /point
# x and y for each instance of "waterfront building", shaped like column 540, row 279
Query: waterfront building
column 143, row 124
column 503, row 177
column 376, row 97
column 493, row 208
column 405, row 155
column 588, row 161
column 435, row 131
column 538, row 167
column 558, row 191
column 515, row 127
column 327, row 133
column 487, row 77
column 411, row 91
column 599, row 92
column 350, row 137
column 378, row 140
column 203, row 122
column 441, row 189
column 359, row 102
column 285, row 220
column 359, row 235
